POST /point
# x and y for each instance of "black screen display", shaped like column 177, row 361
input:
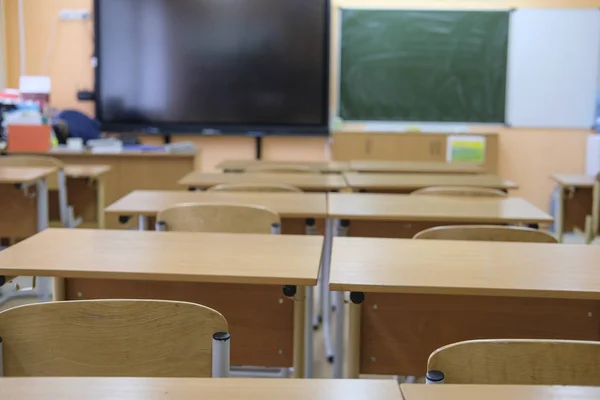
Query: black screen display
column 229, row 65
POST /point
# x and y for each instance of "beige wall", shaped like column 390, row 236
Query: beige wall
column 2, row 47
column 526, row 156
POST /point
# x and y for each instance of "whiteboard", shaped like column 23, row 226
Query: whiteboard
column 553, row 66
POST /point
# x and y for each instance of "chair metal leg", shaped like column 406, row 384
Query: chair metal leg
column 220, row 355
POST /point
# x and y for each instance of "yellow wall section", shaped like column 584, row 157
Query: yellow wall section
column 68, row 44
column 526, row 156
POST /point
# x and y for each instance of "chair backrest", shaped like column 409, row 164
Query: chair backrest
column 282, row 168
column 487, row 233
column 118, row 338
column 253, row 187
column 30, row 161
column 519, row 362
column 459, row 191
column 223, row 218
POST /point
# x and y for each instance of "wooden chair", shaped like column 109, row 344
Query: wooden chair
column 67, row 216
column 225, row 218
column 459, row 191
column 253, row 187
column 487, row 233
column 281, row 168
column 519, row 362
column 117, row 338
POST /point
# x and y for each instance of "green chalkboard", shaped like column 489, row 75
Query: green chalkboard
column 413, row 65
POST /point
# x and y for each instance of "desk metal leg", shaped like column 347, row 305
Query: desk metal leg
column 595, row 208
column 100, row 202
column 58, row 289
column 142, row 223
column 356, row 300
column 310, row 229
column 299, row 338
column 43, row 218
column 338, row 365
column 43, row 285
column 63, row 203
column 325, row 294
column 589, row 229
column 560, row 215
column 308, row 333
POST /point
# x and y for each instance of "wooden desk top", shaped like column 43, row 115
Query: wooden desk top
column 288, row 205
column 498, row 392
column 416, row 167
column 63, row 153
column 170, row 256
column 24, row 175
column 196, row 389
column 401, row 207
column 321, row 166
column 86, row 171
column 320, row 182
column 574, row 180
column 465, row 268
column 417, row 181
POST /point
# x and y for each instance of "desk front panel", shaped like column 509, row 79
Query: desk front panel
column 578, row 205
column 18, row 212
column 400, row 331
column 260, row 317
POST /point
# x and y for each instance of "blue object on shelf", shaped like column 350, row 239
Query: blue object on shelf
column 80, row 125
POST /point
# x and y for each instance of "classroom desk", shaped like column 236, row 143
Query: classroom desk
column 332, row 167
column 406, row 183
column 196, row 389
column 250, row 279
column 402, row 216
column 132, row 171
column 85, row 193
column 426, row 167
column 418, row 295
column 306, row 182
column 578, row 197
column 301, row 214
column 23, row 200
column 294, row 208
column 498, row 392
